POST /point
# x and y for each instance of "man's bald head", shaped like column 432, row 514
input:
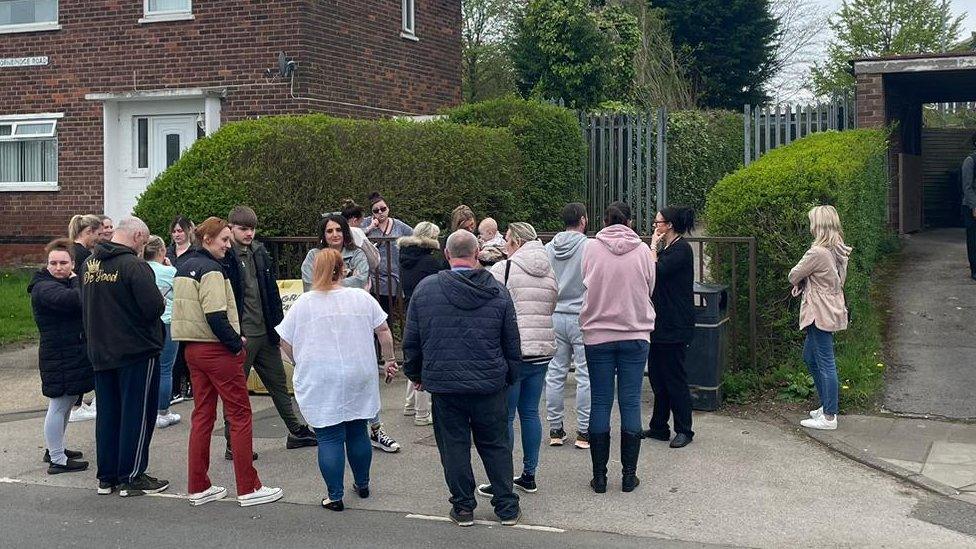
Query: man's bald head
column 462, row 249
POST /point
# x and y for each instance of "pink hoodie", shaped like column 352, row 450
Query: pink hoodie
column 619, row 277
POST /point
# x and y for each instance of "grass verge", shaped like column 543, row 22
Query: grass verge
column 16, row 319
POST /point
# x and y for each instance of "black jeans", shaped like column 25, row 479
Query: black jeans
column 458, row 418
column 970, row 223
column 666, row 372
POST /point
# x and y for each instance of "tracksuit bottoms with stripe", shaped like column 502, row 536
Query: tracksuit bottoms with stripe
column 128, row 398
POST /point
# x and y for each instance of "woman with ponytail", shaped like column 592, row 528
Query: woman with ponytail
column 674, row 326
column 83, row 230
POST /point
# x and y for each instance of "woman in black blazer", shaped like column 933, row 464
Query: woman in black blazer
column 674, row 327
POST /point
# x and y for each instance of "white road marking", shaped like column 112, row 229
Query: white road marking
column 536, row 528
column 7, row 480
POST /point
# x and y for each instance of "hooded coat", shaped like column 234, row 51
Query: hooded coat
column 62, row 357
column 565, row 252
column 619, row 277
column 461, row 335
column 820, row 277
column 532, row 285
column 419, row 258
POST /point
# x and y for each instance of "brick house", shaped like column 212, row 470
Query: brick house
column 97, row 97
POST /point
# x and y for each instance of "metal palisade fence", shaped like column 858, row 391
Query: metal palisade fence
column 626, row 160
column 766, row 128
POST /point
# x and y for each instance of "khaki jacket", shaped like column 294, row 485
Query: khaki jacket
column 820, row 278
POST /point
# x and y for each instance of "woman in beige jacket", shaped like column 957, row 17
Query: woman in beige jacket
column 819, row 277
column 532, row 283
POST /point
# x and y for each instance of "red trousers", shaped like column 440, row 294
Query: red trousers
column 214, row 372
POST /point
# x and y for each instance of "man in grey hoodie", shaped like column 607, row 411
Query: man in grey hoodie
column 566, row 255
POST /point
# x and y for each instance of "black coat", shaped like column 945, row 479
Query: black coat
column 674, row 294
column 419, row 258
column 173, row 259
column 63, row 359
column 461, row 336
column 267, row 286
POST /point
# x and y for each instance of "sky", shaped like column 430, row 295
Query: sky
column 960, row 7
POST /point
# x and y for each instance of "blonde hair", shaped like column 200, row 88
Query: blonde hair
column 522, row 232
column 426, row 229
column 327, row 270
column 825, row 227
column 154, row 246
column 79, row 223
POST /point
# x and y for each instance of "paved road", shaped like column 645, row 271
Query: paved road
column 39, row 516
column 932, row 365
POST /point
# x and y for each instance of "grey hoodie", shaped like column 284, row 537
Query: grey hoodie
column 566, row 255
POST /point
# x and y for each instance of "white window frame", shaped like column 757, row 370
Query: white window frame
column 168, row 15
column 23, row 119
column 34, row 27
column 408, row 19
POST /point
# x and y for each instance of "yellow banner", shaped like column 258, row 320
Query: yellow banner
column 290, row 290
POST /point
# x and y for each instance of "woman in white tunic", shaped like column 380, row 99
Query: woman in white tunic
column 328, row 334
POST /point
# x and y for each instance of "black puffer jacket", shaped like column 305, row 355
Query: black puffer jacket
column 419, row 258
column 63, row 360
column 461, row 335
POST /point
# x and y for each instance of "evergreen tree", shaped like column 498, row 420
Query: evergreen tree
column 730, row 46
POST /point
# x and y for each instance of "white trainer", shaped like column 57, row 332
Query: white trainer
column 82, row 413
column 816, row 413
column 821, row 423
column 166, row 420
column 262, row 495
column 210, row 494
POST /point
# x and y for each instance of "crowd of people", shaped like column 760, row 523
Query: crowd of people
column 495, row 323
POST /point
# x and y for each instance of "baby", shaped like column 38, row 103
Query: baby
column 488, row 234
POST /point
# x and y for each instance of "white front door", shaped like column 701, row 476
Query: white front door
column 169, row 137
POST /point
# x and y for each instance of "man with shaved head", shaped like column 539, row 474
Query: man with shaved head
column 461, row 345
column 121, row 309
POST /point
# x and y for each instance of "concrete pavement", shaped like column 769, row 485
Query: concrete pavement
column 741, row 483
column 932, row 369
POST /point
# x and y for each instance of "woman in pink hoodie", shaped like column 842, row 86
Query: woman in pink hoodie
column 617, row 319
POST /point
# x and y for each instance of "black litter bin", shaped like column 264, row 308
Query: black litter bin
column 708, row 352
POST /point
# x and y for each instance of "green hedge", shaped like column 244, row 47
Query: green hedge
column 293, row 168
column 770, row 198
column 552, row 148
column 703, row 147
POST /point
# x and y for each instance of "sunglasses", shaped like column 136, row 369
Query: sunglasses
column 380, row 209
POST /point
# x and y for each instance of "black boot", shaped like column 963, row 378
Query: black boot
column 599, row 454
column 629, row 452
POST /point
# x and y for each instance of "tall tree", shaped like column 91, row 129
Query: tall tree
column 873, row 28
column 660, row 79
column 730, row 46
column 572, row 50
column 801, row 43
column 486, row 68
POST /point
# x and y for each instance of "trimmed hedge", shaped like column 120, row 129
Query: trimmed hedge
column 770, row 199
column 290, row 169
column 703, row 147
column 552, row 149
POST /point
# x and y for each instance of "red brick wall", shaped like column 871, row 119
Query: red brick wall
column 348, row 51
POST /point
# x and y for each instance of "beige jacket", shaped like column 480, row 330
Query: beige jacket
column 532, row 283
column 820, row 278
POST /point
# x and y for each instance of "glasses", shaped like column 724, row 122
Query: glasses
column 381, row 209
column 330, row 214
column 656, row 222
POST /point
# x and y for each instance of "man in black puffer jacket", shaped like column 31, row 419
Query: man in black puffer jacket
column 461, row 344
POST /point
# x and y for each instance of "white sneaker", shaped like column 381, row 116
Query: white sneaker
column 816, row 413
column 166, row 420
column 210, row 494
column 821, row 423
column 423, row 421
column 82, row 413
column 262, row 495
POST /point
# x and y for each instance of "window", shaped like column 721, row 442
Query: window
column 142, row 143
column 28, row 15
column 409, row 19
column 28, row 154
column 167, row 10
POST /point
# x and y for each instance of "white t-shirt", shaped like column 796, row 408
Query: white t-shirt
column 331, row 334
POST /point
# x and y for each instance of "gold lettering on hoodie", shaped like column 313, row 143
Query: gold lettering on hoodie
column 94, row 273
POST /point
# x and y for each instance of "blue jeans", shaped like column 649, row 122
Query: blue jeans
column 620, row 362
column 166, row 360
column 524, row 397
column 336, row 442
column 818, row 353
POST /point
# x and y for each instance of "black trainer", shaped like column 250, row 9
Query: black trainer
column 70, row 466
column 526, row 483
column 462, row 518
column 106, row 488
column 70, row 454
column 656, row 435
column 557, row 437
column 301, row 438
column 229, row 455
column 142, row 485
column 484, row 490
